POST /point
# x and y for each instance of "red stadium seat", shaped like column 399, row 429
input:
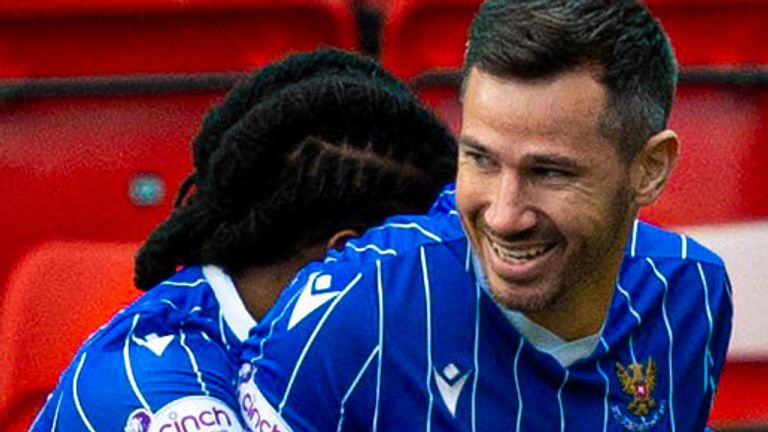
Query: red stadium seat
column 721, row 173
column 443, row 99
column 721, row 33
column 425, row 35
column 92, row 167
column 742, row 398
column 60, row 293
column 64, row 38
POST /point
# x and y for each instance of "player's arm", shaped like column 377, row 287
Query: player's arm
column 312, row 363
column 141, row 383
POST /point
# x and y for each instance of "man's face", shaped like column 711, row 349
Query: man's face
column 543, row 195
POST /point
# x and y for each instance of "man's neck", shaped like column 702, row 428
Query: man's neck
column 260, row 286
column 576, row 317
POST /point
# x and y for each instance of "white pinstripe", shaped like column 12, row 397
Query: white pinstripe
column 476, row 355
column 728, row 291
column 76, row 396
column 637, row 317
column 56, row 413
column 448, row 192
column 707, row 352
column 468, row 260
column 671, row 342
column 312, row 337
column 351, row 388
column 221, row 330
column 169, row 303
column 272, row 329
column 373, row 248
column 517, row 386
column 193, row 361
column 380, row 347
column 184, row 284
column 684, row 246
column 428, row 303
column 634, row 238
column 411, row 225
column 129, row 368
column 560, row 401
column 607, row 386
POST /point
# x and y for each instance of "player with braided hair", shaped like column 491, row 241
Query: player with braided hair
column 297, row 159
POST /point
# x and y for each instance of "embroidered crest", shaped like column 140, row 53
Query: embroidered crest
column 638, row 382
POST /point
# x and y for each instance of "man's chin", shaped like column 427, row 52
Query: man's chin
column 523, row 300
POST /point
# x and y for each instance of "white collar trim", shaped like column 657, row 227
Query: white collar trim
column 231, row 305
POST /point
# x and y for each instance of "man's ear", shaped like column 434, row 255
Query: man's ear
column 339, row 239
column 653, row 165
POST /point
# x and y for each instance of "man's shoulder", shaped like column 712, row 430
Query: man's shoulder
column 400, row 235
column 339, row 301
column 655, row 243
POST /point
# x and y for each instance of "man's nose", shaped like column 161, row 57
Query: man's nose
column 511, row 210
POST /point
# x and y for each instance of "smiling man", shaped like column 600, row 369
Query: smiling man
column 530, row 297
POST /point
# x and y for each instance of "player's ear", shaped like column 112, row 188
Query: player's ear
column 652, row 166
column 339, row 239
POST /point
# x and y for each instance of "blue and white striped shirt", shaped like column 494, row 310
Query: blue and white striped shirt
column 394, row 333
column 166, row 362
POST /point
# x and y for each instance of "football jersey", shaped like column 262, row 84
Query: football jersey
column 395, row 333
column 167, row 362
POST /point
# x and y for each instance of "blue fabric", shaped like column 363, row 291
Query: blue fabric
column 169, row 344
column 393, row 333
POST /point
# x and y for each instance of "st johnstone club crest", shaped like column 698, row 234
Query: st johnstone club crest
column 638, row 382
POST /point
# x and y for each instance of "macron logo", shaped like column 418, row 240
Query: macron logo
column 154, row 343
column 314, row 294
column 450, row 383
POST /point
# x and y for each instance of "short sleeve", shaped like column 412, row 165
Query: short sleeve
column 141, row 383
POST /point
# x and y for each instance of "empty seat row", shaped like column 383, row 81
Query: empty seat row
column 65, row 38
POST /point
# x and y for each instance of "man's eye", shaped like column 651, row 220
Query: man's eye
column 479, row 160
column 552, row 173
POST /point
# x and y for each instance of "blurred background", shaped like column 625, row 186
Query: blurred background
column 99, row 100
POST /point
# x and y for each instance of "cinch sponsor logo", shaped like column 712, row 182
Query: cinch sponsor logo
column 195, row 414
column 202, row 420
column 255, row 418
column 257, row 411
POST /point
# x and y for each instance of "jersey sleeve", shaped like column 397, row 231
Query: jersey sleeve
column 721, row 304
column 314, row 354
column 136, row 381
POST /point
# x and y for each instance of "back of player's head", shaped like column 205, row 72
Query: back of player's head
column 536, row 39
column 302, row 149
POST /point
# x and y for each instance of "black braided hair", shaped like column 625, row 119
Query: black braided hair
column 302, row 149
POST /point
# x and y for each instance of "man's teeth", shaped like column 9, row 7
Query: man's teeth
column 518, row 254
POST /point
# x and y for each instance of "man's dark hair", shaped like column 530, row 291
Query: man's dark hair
column 302, row 149
column 535, row 39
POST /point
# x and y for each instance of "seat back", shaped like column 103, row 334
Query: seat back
column 60, row 293
column 425, row 35
column 720, row 176
column 64, row 38
column 92, row 167
column 737, row 40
